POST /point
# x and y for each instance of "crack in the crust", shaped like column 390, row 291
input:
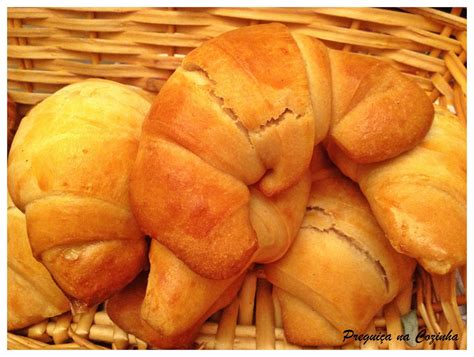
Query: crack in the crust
column 253, row 136
column 276, row 121
column 353, row 242
column 318, row 209
column 220, row 101
column 231, row 114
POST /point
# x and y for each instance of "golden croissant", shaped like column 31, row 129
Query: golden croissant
column 244, row 112
column 419, row 197
column 68, row 170
column 341, row 269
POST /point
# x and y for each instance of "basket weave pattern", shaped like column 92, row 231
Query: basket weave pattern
column 50, row 48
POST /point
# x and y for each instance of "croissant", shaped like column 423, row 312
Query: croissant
column 32, row 294
column 179, row 309
column 244, row 112
column 176, row 297
column 419, row 198
column 178, row 300
column 340, row 270
column 68, row 170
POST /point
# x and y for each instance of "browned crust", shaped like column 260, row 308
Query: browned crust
column 77, row 237
column 265, row 97
column 198, row 212
column 260, row 75
column 377, row 112
column 90, row 273
column 61, row 220
column 187, row 191
column 124, row 310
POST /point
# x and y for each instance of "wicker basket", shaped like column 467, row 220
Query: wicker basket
column 50, row 48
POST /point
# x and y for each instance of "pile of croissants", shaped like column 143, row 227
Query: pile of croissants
column 330, row 170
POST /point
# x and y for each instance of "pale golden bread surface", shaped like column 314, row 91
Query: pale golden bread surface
column 32, row 294
column 419, row 198
column 125, row 308
column 341, row 267
column 68, row 170
column 276, row 219
column 304, row 324
column 245, row 110
column 176, row 297
column 318, row 70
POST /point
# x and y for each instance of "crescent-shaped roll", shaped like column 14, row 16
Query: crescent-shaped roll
column 32, row 295
column 419, row 198
column 340, row 270
column 244, row 111
column 68, row 170
column 125, row 310
column 176, row 297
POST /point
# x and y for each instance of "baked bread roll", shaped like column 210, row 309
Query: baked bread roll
column 245, row 109
column 125, row 308
column 178, row 300
column 340, row 270
column 68, row 170
column 169, row 308
column 32, row 294
column 419, row 198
